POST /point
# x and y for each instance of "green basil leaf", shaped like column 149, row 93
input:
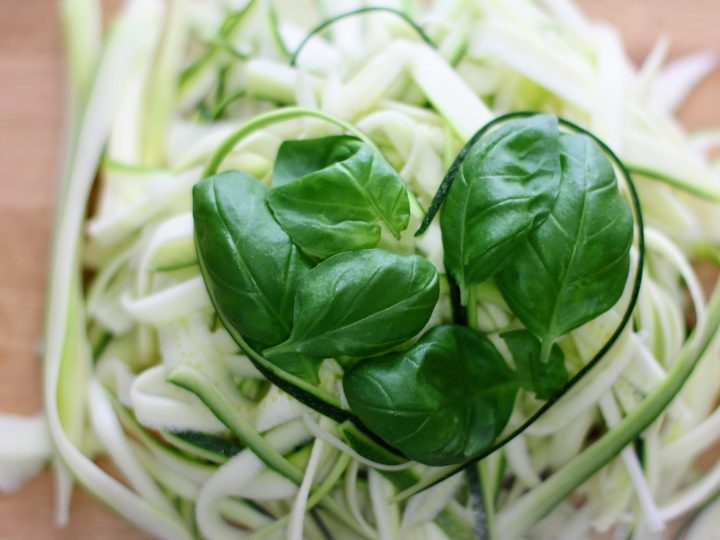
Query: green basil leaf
column 441, row 402
column 505, row 187
column 250, row 266
column 296, row 159
column 574, row 266
column 361, row 303
column 542, row 378
column 344, row 191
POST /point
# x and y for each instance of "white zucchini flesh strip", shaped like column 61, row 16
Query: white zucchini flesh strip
column 176, row 228
column 170, row 304
column 351, row 497
column 297, row 516
column 692, row 443
column 662, row 245
column 706, row 524
column 267, row 486
column 157, row 404
column 329, row 438
column 107, row 427
column 584, row 394
column 647, row 152
column 679, row 78
column 124, row 44
column 386, row 515
column 371, row 83
column 651, row 67
column 276, row 408
column 424, row 507
column 272, row 80
column 178, row 484
column 614, row 74
column 518, row 460
column 559, row 69
column 692, row 496
column 25, row 449
column 448, row 93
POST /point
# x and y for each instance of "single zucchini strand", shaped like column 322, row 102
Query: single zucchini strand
column 369, row 9
column 193, row 381
column 677, row 183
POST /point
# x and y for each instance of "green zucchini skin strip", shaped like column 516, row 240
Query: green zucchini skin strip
column 677, row 183
column 193, row 381
column 369, row 9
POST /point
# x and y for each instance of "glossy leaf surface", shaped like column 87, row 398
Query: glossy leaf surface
column 341, row 193
column 361, row 303
column 505, row 187
column 441, row 402
column 574, row 266
column 250, row 265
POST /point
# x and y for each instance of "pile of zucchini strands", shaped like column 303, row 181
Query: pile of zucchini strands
column 149, row 107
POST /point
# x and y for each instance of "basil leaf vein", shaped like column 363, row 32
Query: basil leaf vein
column 252, row 268
column 361, row 303
column 574, row 266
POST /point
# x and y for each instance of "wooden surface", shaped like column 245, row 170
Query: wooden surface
column 30, row 126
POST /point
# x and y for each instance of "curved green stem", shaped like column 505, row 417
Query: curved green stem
column 274, row 117
column 370, row 9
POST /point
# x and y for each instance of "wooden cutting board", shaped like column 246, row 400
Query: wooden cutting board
column 31, row 114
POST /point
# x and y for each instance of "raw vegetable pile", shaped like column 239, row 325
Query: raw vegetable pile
column 414, row 270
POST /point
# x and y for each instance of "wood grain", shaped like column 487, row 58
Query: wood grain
column 30, row 142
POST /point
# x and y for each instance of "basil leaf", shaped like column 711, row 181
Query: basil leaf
column 344, row 191
column 296, row 159
column 574, row 266
column 361, row 303
column 542, row 378
column 441, row 402
column 250, row 266
column 505, row 187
